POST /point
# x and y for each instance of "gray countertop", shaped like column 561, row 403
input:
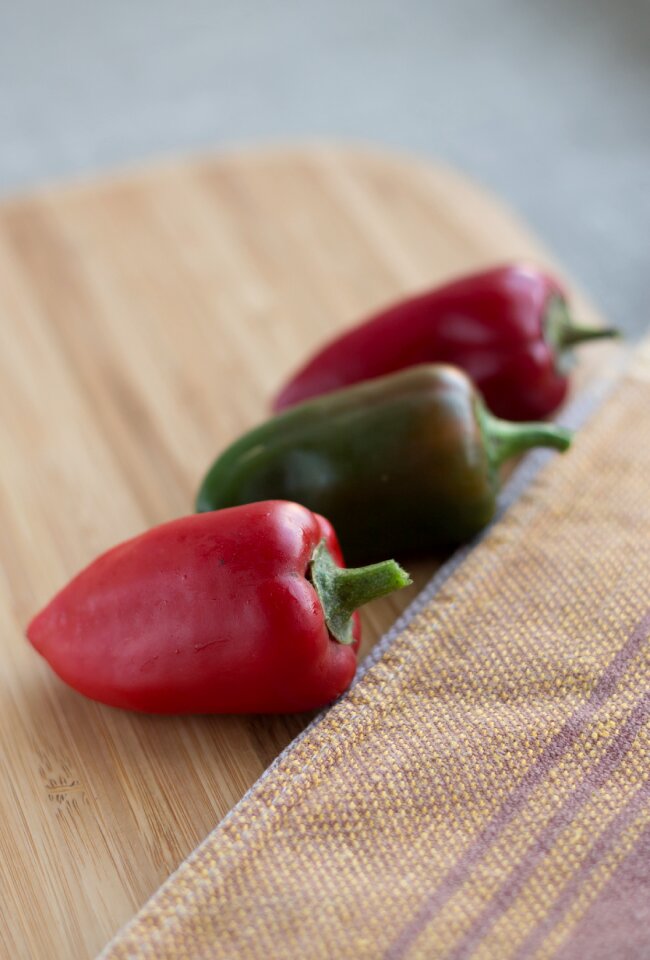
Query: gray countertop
column 545, row 103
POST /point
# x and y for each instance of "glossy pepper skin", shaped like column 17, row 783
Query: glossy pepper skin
column 508, row 328
column 221, row 613
column 406, row 464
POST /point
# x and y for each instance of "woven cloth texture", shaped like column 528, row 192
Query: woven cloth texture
column 484, row 790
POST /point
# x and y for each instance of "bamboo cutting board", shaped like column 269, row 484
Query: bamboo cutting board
column 145, row 322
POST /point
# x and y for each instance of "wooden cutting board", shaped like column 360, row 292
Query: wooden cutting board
column 145, row 321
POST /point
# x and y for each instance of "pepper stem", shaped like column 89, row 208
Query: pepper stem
column 562, row 332
column 503, row 439
column 341, row 590
column 574, row 333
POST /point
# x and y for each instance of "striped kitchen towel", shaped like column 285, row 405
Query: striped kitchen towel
column 484, row 789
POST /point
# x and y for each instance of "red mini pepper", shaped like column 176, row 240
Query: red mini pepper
column 241, row 610
column 508, row 328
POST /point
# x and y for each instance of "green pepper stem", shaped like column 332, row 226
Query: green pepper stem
column 563, row 333
column 573, row 333
column 343, row 590
column 504, row 439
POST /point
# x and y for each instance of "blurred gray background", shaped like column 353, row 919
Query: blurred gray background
column 546, row 103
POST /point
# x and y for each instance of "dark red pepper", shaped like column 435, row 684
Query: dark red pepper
column 508, row 328
column 235, row 611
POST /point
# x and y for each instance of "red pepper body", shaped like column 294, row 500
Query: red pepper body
column 212, row 613
column 494, row 325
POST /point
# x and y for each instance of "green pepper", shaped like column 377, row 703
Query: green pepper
column 404, row 464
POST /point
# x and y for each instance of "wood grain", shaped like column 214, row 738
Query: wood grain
column 144, row 323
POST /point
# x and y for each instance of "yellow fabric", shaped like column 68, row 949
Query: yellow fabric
column 483, row 790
